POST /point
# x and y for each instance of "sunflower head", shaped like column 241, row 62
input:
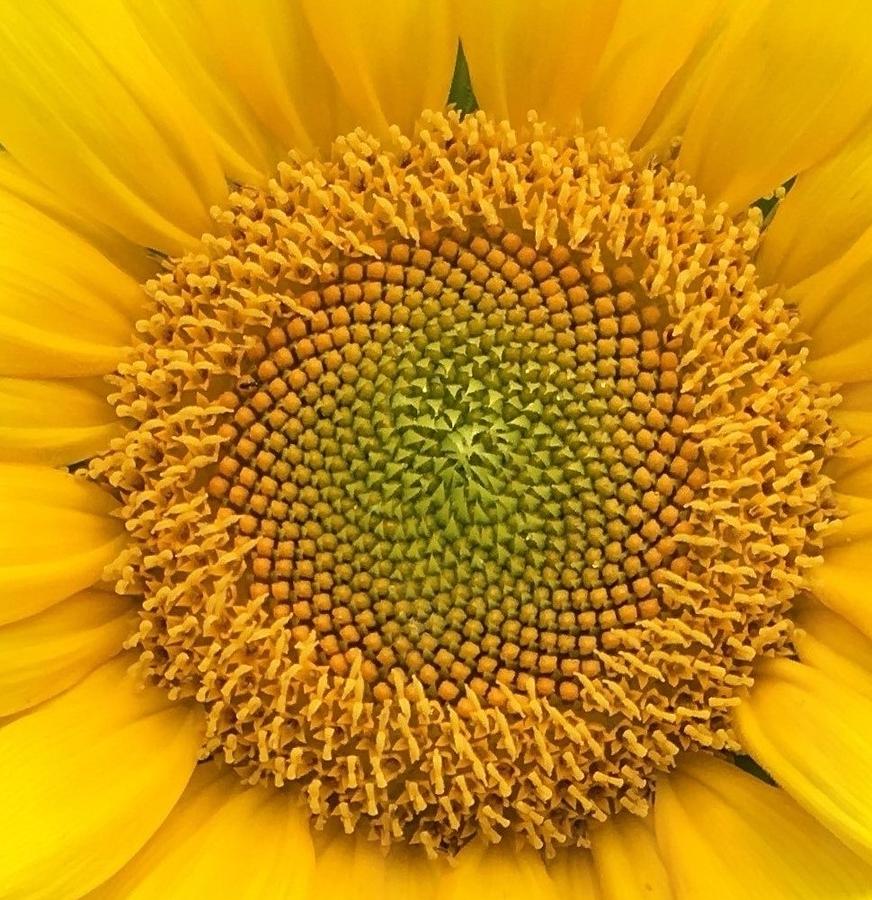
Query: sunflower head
column 426, row 500
column 468, row 474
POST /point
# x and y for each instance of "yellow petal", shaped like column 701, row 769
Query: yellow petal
column 855, row 410
column 852, row 468
column 521, row 58
column 726, row 835
column 222, row 839
column 842, row 583
column 829, row 643
column 814, row 736
column 850, row 362
column 350, row 865
column 291, row 91
column 829, row 295
column 786, row 93
column 628, row 864
column 89, row 111
column 409, row 875
column 56, row 537
column 648, row 44
column 498, row 872
column 54, row 422
column 45, row 654
column 671, row 111
column 18, row 185
column 823, row 215
column 65, row 310
column 178, row 33
column 572, row 872
column 855, row 526
column 389, row 73
column 86, row 779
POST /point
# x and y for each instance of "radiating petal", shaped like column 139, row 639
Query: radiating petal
column 541, row 57
column 388, row 73
column 852, row 468
column 850, row 362
column 855, row 526
column 54, row 422
column 18, row 185
column 409, row 875
column 833, row 292
column 498, row 872
column 291, row 91
column 842, row 583
column 572, row 872
column 828, row 642
column 823, row 215
column 813, row 735
column 178, row 33
column 787, row 92
column 647, row 46
column 350, row 865
column 65, row 310
column 56, row 537
column 855, row 410
column 726, row 835
column 87, row 108
column 671, row 111
column 218, row 820
column 45, row 654
column 86, row 779
column 628, row 864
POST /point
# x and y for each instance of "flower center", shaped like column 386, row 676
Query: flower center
column 465, row 464
column 466, row 478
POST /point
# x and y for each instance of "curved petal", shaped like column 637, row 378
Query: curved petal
column 842, row 583
column 388, row 74
column 87, row 109
column 498, row 872
column 813, row 735
column 572, row 872
column 45, row 654
column 837, row 284
column 291, row 91
column 840, row 350
column 65, row 310
column 788, row 91
column 86, row 779
column 671, row 111
column 852, row 468
column 856, row 525
column 827, row 642
column 521, row 59
column 647, row 46
column 725, row 834
column 54, row 422
column 56, row 537
column 18, row 185
column 351, row 865
column 218, row 819
column 409, row 875
column 855, row 410
column 178, row 33
column 826, row 211
column 627, row 861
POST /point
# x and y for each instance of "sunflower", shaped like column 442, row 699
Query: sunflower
column 431, row 472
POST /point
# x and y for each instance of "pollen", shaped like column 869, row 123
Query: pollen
column 467, row 475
